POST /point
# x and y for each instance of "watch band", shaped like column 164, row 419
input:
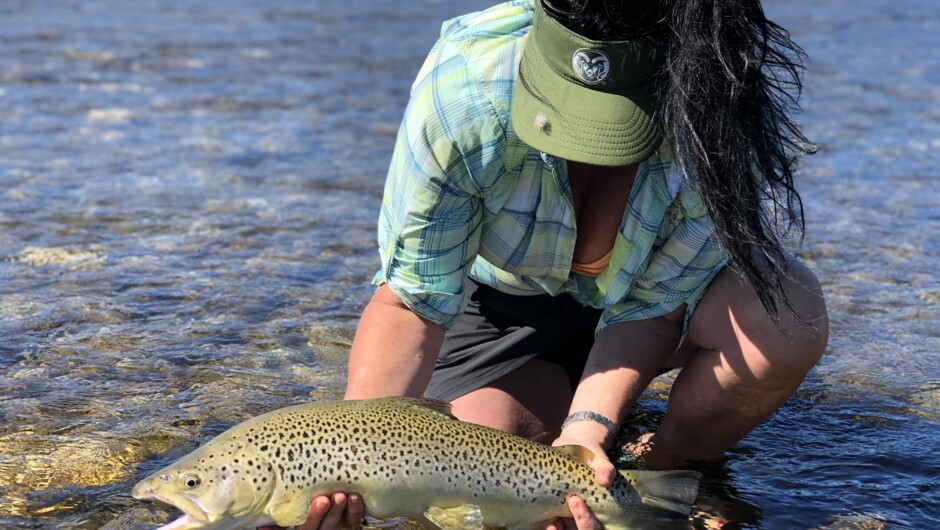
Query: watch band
column 588, row 415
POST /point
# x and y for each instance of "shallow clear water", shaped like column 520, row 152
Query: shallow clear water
column 188, row 200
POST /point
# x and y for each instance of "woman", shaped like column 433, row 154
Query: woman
column 583, row 194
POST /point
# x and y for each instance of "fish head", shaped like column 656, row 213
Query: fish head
column 221, row 485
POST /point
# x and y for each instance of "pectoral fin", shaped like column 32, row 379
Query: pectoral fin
column 288, row 510
column 463, row 517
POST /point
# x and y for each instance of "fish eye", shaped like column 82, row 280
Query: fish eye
column 191, row 481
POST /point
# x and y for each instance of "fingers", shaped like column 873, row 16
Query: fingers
column 331, row 520
column 604, row 471
column 327, row 513
column 319, row 508
column 583, row 517
column 356, row 510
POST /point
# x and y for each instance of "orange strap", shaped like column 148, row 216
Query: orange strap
column 594, row 268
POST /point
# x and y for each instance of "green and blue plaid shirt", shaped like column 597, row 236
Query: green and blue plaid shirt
column 465, row 196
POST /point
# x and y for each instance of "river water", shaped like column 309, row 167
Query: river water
column 188, row 197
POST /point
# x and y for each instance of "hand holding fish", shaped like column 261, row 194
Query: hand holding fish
column 339, row 510
column 579, row 440
column 582, row 517
column 589, row 440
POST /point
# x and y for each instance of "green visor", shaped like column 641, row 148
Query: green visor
column 587, row 101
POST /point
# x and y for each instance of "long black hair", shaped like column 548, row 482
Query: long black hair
column 730, row 87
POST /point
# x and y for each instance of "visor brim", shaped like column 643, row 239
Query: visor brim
column 580, row 123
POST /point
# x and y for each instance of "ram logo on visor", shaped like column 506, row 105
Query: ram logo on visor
column 591, row 66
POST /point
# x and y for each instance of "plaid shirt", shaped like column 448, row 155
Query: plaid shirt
column 465, row 196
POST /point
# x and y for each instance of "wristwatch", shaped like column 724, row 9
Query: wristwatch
column 588, row 415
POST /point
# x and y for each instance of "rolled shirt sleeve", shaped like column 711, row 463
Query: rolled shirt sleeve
column 429, row 225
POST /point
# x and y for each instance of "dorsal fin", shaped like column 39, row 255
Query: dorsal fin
column 433, row 405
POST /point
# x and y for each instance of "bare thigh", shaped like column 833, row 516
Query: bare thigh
column 530, row 401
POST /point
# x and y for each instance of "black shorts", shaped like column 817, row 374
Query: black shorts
column 498, row 332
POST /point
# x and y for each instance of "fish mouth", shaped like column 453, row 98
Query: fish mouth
column 183, row 523
column 194, row 514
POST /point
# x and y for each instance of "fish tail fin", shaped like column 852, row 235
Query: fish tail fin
column 668, row 490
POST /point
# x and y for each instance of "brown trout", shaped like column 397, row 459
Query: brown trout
column 406, row 457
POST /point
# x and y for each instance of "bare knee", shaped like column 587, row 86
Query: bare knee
column 531, row 401
column 732, row 320
column 803, row 320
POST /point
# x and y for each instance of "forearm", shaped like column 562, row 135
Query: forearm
column 625, row 358
column 394, row 351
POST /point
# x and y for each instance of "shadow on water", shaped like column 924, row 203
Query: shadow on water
column 189, row 197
